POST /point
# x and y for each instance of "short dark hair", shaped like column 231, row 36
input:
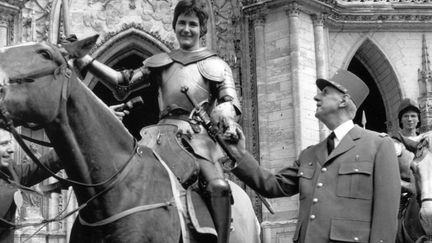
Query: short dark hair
column 189, row 7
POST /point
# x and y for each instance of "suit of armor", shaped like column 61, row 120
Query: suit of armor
column 208, row 78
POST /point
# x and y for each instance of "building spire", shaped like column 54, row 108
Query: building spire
column 425, row 89
column 425, row 57
column 424, row 74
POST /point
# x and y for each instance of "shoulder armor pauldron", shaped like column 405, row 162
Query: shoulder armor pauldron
column 158, row 60
column 213, row 68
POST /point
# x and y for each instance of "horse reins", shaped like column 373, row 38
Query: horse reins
column 110, row 182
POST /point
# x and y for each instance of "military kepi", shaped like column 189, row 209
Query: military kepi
column 347, row 83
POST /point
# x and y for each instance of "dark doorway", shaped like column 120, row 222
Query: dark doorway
column 141, row 115
column 373, row 106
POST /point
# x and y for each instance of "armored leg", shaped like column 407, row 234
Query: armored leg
column 219, row 199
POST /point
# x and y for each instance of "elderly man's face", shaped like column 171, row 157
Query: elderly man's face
column 6, row 147
column 328, row 101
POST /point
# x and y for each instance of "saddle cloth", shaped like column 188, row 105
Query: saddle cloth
column 165, row 140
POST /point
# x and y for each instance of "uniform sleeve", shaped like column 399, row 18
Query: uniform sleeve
column 282, row 184
column 30, row 174
column 386, row 193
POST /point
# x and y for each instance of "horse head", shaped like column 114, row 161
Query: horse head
column 29, row 76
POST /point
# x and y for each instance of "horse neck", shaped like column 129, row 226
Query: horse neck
column 90, row 141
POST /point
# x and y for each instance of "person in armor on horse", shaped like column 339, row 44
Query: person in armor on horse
column 25, row 174
column 209, row 78
column 409, row 122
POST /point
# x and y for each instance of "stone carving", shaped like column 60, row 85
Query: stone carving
column 36, row 16
column 108, row 36
column 159, row 11
column 227, row 23
column 108, row 18
column 17, row 3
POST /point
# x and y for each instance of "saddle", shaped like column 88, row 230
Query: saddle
column 166, row 141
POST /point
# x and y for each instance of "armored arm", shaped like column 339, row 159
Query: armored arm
column 223, row 89
column 121, row 83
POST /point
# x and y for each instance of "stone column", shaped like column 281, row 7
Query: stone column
column 293, row 12
column 321, row 57
column 3, row 32
column 260, row 64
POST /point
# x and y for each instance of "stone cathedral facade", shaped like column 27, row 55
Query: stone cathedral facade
column 276, row 48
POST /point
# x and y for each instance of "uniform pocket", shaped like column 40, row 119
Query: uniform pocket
column 355, row 180
column 347, row 230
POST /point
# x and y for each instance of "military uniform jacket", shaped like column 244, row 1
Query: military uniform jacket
column 29, row 174
column 351, row 195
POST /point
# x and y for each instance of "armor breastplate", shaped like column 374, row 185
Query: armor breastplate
column 176, row 76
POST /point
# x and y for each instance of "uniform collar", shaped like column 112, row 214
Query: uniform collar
column 343, row 129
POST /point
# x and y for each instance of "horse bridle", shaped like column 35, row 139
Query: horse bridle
column 109, row 183
column 8, row 125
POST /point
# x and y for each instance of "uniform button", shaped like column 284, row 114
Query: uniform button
column 310, row 163
column 356, row 239
column 356, row 170
column 381, row 241
column 301, row 173
column 319, row 185
column 312, row 216
column 324, row 169
column 315, row 200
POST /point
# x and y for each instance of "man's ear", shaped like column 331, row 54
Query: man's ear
column 344, row 101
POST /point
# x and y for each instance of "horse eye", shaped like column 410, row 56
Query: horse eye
column 46, row 54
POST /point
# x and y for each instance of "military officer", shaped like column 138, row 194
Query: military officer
column 208, row 78
column 348, row 184
column 27, row 174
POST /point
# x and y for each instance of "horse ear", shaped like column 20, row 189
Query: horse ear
column 80, row 48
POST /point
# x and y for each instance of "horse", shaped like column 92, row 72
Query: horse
column 125, row 192
column 415, row 218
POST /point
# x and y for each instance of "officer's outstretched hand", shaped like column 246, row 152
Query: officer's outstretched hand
column 236, row 147
column 119, row 111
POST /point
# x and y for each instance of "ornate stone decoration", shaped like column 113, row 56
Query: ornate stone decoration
column 227, row 23
column 425, row 89
column 16, row 3
column 108, row 36
column 35, row 20
column 159, row 11
column 108, row 18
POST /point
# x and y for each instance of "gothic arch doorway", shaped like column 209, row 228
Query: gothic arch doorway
column 380, row 107
column 127, row 50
